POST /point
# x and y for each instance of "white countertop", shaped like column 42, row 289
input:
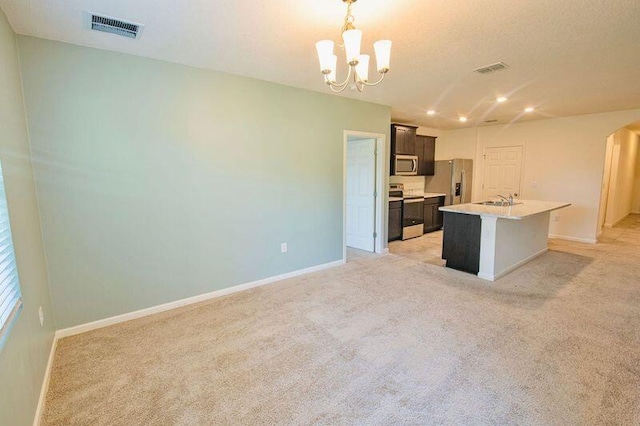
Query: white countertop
column 395, row 199
column 518, row 211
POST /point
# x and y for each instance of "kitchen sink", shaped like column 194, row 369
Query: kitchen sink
column 496, row 203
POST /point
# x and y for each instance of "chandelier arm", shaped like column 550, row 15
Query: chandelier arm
column 339, row 85
column 359, row 84
column 330, row 84
column 339, row 90
column 377, row 82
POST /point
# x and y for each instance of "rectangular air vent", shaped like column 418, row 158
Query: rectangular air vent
column 491, row 68
column 114, row 26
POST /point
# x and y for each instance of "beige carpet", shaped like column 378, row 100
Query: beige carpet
column 387, row 340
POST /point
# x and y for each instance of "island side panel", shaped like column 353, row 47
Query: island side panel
column 488, row 250
column 516, row 243
column 461, row 241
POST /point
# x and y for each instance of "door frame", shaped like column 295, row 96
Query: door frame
column 605, row 187
column 379, row 200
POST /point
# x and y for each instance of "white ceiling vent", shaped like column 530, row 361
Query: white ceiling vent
column 491, row 68
column 116, row 26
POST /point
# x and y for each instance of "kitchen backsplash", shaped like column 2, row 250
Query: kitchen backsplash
column 412, row 184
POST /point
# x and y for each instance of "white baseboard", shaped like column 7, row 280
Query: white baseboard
column 611, row 225
column 492, row 277
column 82, row 328
column 488, row 277
column 576, row 239
column 45, row 383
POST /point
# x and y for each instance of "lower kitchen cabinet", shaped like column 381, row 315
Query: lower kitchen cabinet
column 433, row 218
column 395, row 220
column 461, row 242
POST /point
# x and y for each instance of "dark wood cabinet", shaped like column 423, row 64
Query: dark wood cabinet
column 461, row 241
column 428, row 217
column 403, row 140
column 395, row 220
column 426, row 152
column 433, row 218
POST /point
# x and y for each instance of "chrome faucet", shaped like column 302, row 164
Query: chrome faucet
column 509, row 200
column 504, row 199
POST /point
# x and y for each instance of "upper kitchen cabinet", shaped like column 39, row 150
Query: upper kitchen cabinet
column 403, row 140
column 426, row 152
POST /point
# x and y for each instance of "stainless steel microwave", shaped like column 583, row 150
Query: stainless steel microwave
column 405, row 165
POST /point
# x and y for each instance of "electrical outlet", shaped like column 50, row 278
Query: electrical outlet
column 283, row 248
column 41, row 315
column 556, row 218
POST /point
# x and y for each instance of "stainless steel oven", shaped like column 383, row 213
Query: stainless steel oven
column 405, row 165
column 412, row 217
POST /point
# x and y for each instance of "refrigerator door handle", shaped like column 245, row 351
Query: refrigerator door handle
column 464, row 186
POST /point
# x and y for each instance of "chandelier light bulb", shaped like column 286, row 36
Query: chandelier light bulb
column 362, row 69
column 325, row 54
column 383, row 54
column 352, row 40
column 431, row 112
column 501, row 99
column 332, row 70
column 528, row 109
column 463, row 119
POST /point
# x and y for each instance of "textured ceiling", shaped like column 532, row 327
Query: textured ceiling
column 565, row 57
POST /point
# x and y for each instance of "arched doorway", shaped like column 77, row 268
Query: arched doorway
column 620, row 194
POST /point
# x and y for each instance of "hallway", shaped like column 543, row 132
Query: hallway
column 628, row 229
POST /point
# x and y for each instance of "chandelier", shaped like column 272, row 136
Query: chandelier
column 358, row 64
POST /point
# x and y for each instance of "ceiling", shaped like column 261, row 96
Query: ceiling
column 565, row 57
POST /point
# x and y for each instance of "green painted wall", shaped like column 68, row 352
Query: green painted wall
column 159, row 181
column 24, row 357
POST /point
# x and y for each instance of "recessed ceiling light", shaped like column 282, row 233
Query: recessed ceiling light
column 528, row 109
column 501, row 99
column 463, row 119
column 431, row 112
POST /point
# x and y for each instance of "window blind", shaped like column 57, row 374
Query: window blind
column 10, row 296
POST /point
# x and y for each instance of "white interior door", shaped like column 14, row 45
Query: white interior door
column 502, row 171
column 361, row 181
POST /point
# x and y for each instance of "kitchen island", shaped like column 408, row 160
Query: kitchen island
column 493, row 240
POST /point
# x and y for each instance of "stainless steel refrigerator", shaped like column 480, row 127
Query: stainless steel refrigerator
column 453, row 178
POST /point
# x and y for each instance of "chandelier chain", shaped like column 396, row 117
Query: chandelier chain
column 348, row 19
